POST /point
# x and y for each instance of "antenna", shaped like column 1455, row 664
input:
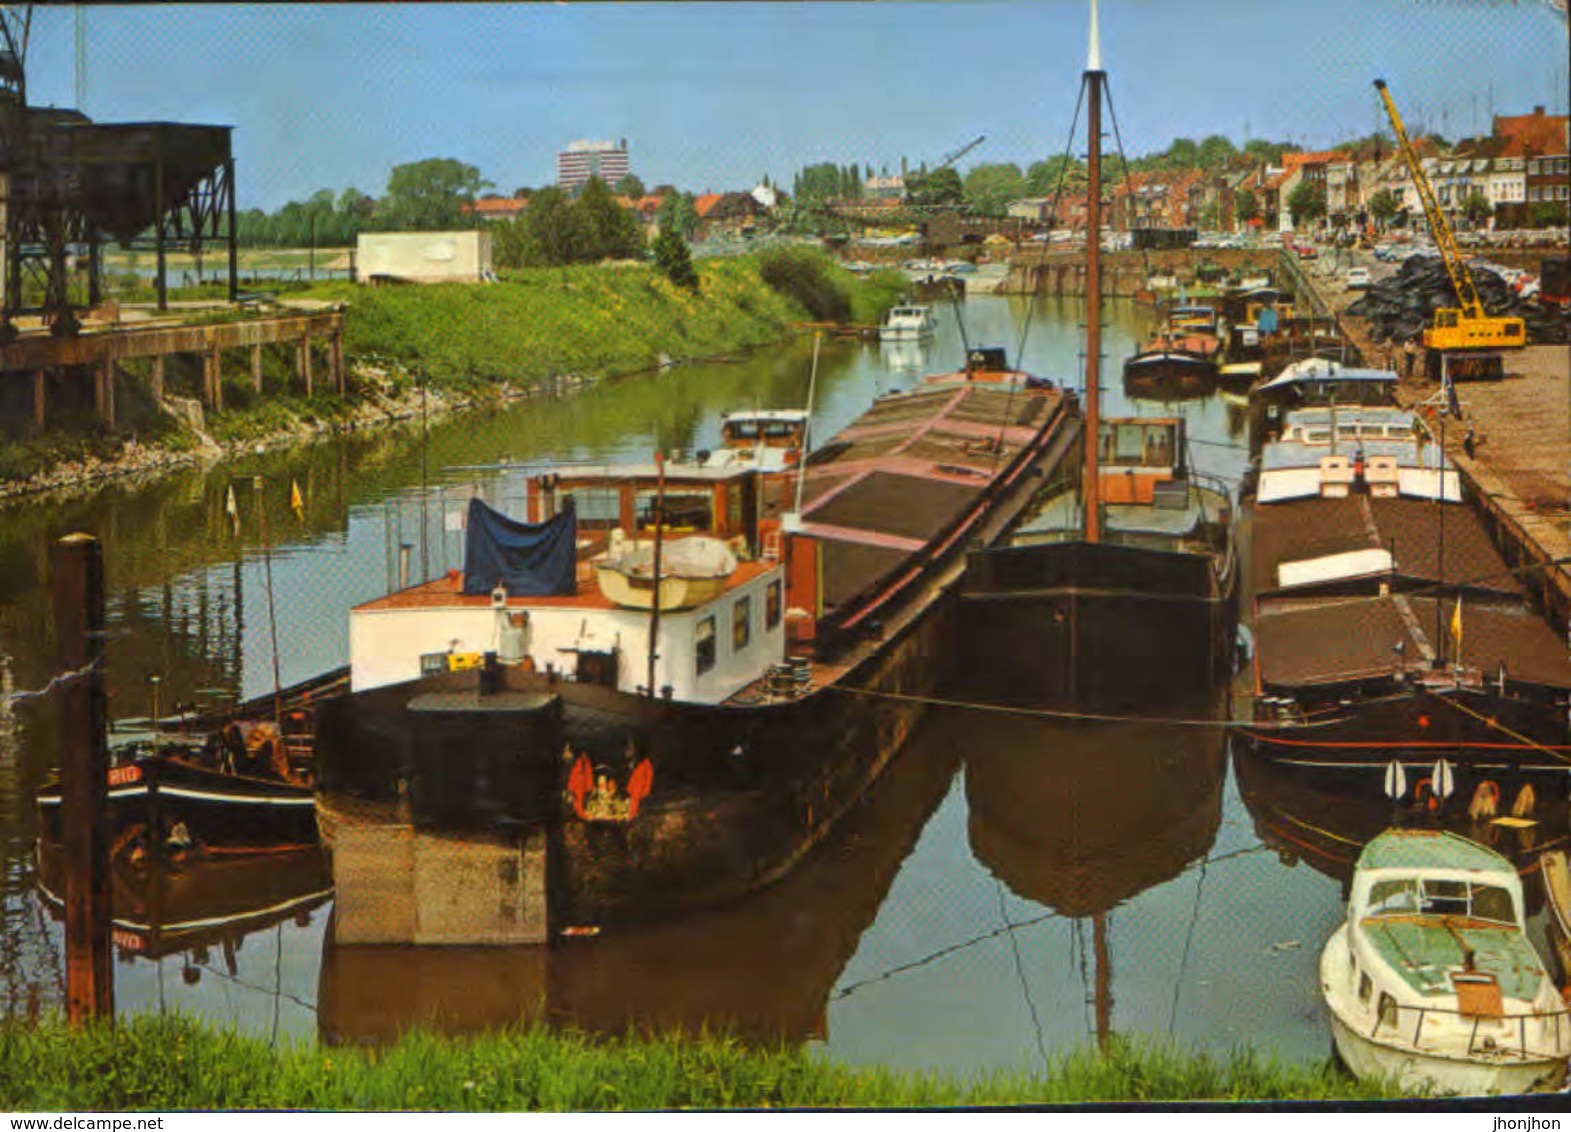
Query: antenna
column 81, row 56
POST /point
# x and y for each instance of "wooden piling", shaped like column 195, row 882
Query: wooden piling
column 40, row 401
column 256, row 366
column 78, row 578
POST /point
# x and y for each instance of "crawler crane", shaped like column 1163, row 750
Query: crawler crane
column 1466, row 328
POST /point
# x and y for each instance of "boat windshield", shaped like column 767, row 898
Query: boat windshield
column 1430, row 896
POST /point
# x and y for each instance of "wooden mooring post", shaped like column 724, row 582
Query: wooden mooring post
column 84, row 773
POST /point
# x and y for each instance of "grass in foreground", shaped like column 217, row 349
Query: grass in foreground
column 152, row 1063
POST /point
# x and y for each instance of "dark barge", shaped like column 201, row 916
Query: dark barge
column 786, row 685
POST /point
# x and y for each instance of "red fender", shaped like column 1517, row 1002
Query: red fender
column 638, row 785
column 580, row 781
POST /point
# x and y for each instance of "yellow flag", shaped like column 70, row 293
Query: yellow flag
column 295, row 501
column 1456, row 626
column 232, row 509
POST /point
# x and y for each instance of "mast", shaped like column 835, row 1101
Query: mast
column 1094, row 77
column 654, row 601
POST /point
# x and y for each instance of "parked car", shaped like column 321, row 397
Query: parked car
column 1357, row 278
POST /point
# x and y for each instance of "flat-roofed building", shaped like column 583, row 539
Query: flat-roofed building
column 582, row 160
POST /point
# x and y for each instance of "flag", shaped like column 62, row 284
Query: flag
column 296, row 503
column 1456, row 626
column 232, row 509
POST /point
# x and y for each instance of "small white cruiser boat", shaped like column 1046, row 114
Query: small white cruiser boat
column 907, row 322
column 1432, row 981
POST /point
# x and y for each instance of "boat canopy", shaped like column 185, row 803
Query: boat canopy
column 1295, row 375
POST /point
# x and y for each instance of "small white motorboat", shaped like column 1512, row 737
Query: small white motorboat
column 1432, row 981
column 905, row 322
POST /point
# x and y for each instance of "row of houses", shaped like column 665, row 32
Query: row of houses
column 1522, row 163
column 719, row 214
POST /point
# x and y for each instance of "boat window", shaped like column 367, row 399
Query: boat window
column 596, row 507
column 1491, row 902
column 741, row 623
column 1388, row 1011
column 733, row 509
column 1393, row 897
column 1317, row 435
column 772, row 605
column 1365, row 987
column 684, row 510
column 704, row 644
column 742, row 430
column 780, row 430
column 1445, row 898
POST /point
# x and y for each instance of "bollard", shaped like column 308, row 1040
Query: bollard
column 84, row 770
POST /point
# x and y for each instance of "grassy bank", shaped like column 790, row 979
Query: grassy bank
column 172, row 1064
column 474, row 342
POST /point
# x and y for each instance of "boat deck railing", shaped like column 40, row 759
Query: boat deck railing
column 1391, row 1018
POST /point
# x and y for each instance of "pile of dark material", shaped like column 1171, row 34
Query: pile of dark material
column 1400, row 307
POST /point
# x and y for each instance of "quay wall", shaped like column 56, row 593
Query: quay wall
column 1123, row 272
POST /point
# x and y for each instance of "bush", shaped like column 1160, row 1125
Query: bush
column 807, row 276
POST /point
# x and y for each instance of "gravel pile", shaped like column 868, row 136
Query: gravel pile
column 1403, row 305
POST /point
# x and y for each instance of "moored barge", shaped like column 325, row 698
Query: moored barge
column 781, row 687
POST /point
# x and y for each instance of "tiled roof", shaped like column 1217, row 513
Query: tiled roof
column 1543, row 132
column 706, row 202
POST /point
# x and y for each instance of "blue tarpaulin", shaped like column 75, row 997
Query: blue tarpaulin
column 527, row 559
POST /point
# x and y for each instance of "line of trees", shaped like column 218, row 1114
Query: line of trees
column 429, row 195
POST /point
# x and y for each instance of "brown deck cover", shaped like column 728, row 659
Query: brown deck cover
column 1306, row 641
column 1410, row 528
column 910, row 467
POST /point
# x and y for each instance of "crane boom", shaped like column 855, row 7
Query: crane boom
column 1461, row 279
column 1469, row 328
column 950, row 159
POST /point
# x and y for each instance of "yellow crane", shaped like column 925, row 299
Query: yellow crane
column 1455, row 328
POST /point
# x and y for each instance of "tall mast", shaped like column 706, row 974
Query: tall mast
column 1094, row 77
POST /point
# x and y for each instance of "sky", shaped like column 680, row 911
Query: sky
column 713, row 96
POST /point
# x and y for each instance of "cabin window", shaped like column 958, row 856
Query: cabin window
column 733, row 508
column 772, row 605
column 1393, row 898
column 684, row 510
column 1365, row 987
column 741, row 623
column 1490, row 902
column 704, row 644
column 1445, row 898
column 1388, row 1011
column 596, row 507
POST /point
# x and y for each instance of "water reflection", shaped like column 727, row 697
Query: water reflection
column 1328, row 827
column 761, row 969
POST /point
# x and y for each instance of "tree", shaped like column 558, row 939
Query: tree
column 550, row 234
column 1307, row 202
column 1383, row 206
column 610, row 231
column 673, row 260
column 1246, row 206
column 941, row 186
column 990, row 188
column 1547, row 214
column 1216, row 151
column 1183, row 153
column 1477, row 207
column 630, row 186
column 430, row 195
column 678, row 213
column 1042, row 178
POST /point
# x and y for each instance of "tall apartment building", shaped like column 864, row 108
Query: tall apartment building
column 582, row 160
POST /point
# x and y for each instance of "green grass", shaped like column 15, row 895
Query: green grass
column 151, row 1063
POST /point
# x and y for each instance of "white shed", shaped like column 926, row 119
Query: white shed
column 424, row 257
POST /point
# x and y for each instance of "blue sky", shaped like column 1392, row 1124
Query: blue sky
column 712, row 95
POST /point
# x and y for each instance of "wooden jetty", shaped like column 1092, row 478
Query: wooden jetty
column 99, row 353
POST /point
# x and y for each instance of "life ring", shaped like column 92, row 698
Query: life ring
column 1424, row 793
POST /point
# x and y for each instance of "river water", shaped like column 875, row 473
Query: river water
column 1012, row 888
